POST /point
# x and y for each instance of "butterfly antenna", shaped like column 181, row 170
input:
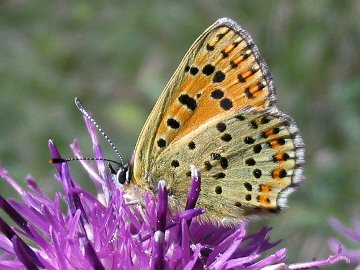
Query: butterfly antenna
column 64, row 160
column 87, row 115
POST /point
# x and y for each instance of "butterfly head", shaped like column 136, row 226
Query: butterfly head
column 121, row 175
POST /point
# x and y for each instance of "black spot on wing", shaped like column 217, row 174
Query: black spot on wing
column 217, row 94
column 208, row 69
column 173, row 123
column 161, row 142
column 226, row 104
column 219, row 76
column 188, row 101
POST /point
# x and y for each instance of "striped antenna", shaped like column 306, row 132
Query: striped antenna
column 86, row 114
column 63, row 160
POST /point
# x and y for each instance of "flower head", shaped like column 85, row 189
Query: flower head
column 77, row 230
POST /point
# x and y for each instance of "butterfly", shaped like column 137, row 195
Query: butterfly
column 218, row 113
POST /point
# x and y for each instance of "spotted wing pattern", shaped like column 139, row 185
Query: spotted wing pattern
column 250, row 161
column 218, row 113
column 222, row 71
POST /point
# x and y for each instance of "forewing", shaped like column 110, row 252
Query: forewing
column 222, row 71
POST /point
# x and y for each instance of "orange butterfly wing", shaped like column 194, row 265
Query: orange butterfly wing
column 223, row 70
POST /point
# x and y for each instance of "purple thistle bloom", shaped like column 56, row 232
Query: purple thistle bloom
column 107, row 231
column 352, row 234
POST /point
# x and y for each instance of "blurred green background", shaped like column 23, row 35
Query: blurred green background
column 117, row 56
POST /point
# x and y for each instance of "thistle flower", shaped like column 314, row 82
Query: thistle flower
column 107, row 231
column 352, row 234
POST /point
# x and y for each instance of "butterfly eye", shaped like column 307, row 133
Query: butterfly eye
column 123, row 175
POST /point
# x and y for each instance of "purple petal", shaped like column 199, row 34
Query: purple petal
column 195, row 188
column 20, row 247
column 30, row 213
column 352, row 255
column 276, row 258
column 158, row 251
column 162, row 207
column 22, row 252
column 54, row 153
column 185, row 215
column 31, row 183
column 5, row 246
column 93, row 172
column 92, row 256
column 6, row 230
column 61, row 257
column 74, row 199
column 4, row 174
column 350, row 234
column 96, row 148
column 194, row 259
column 317, row 263
column 226, row 248
column 240, row 262
column 185, row 242
column 14, row 215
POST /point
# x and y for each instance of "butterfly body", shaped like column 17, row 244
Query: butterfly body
column 218, row 113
